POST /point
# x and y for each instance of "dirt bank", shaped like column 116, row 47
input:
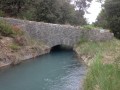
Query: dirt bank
column 15, row 50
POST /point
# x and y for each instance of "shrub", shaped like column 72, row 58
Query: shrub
column 89, row 27
column 8, row 30
column 5, row 29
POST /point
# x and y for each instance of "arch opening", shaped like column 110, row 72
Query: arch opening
column 58, row 48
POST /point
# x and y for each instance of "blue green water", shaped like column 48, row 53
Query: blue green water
column 54, row 71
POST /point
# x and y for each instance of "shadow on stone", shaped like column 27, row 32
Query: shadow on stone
column 58, row 48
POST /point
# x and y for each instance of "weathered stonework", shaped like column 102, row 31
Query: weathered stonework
column 98, row 35
column 55, row 34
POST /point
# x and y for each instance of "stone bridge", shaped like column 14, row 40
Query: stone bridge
column 55, row 34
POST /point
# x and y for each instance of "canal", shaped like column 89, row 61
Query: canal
column 58, row 70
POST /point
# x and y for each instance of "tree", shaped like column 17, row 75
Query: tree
column 102, row 20
column 51, row 11
column 110, row 16
column 83, row 5
column 12, row 7
column 112, row 9
column 48, row 11
column 60, row 11
column 67, row 13
column 79, row 18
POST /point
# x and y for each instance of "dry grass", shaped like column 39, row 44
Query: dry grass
column 109, row 50
column 104, row 70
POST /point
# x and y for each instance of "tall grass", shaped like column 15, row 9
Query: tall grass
column 90, row 27
column 104, row 71
column 103, row 76
column 5, row 29
column 108, row 50
column 8, row 30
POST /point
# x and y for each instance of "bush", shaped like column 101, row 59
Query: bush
column 5, row 29
column 8, row 30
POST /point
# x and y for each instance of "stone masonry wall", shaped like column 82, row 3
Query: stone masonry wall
column 55, row 34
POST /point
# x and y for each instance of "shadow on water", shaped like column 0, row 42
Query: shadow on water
column 60, row 48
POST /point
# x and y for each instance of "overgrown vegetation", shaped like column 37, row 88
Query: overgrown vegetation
column 90, row 27
column 51, row 11
column 5, row 29
column 110, row 16
column 104, row 69
column 103, row 76
column 8, row 30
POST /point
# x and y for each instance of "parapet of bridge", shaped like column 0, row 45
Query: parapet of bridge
column 55, row 34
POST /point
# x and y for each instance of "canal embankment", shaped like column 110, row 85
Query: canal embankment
column 16, row 46
column 103, row 61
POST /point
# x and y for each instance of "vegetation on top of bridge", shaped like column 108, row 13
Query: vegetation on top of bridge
column 90, row 27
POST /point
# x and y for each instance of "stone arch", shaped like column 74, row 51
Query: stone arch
column 56, row 34
column 60, row 47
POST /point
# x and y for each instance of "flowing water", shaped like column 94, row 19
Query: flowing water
column 59, row 70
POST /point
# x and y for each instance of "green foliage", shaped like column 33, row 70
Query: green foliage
column 82, row 5
column 89, row 27
column 83, row 40
column 112, row 8
column 78, row 18
column 67, row 13
column 8, row 30
column 5, row 29
column 102, row 20
column 59, row 11
column 12, row 7
column 110, row 16
column 103, row 76
column 29, row 14
column 48, row 11
column 15, row 47
column 51, row 11
column 93, row 48
column 104, row 61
